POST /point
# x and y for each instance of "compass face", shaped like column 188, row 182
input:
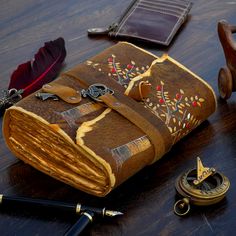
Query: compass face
column 214, row 186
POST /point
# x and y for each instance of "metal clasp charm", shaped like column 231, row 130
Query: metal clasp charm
column 45, row 96
column 10, row 97
column 94, row 91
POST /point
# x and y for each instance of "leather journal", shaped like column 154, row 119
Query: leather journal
column 154, row 21
column 134, row 107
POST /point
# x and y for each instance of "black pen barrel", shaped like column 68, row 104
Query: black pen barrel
column 96, row 210
column 85, row 218
column 33, row 203
column 37, row 203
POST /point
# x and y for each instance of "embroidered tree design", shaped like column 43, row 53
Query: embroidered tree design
column 123, row 74
column 174, row 112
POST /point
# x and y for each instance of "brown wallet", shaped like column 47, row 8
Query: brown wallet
column 149, row 20
column 96, row 144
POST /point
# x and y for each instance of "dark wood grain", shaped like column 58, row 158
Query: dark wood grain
column 147, row 198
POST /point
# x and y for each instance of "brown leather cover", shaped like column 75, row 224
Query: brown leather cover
column 153, row 20
column 96, row 146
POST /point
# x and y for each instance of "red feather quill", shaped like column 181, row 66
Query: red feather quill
column 45, row 66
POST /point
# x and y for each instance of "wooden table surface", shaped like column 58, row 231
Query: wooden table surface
column 147, row 198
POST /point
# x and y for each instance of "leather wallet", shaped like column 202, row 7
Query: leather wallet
column 149, row 20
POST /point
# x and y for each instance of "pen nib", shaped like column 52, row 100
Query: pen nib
column 112, row 213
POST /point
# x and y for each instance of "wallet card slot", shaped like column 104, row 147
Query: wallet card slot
column 177, row 13
column 184, row 4
column 159, row 11
column 161, row 8
column 178, row 2
column 167, row 5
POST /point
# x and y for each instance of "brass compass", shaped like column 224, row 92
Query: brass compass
column 202, row 186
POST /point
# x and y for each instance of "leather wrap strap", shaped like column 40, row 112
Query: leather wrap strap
column 137, row 119
column 154, row 128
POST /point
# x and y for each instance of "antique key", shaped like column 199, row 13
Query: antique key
column 202, row 187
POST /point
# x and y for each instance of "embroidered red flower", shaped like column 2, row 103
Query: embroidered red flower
column 194, row 103
column 178, row 96
column 129, row 66
column 110, row 59
column 161, row 100
column 158, row 87
column 188, row 126
column 113, row 70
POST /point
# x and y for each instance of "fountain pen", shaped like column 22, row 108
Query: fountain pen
column 76, row 208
